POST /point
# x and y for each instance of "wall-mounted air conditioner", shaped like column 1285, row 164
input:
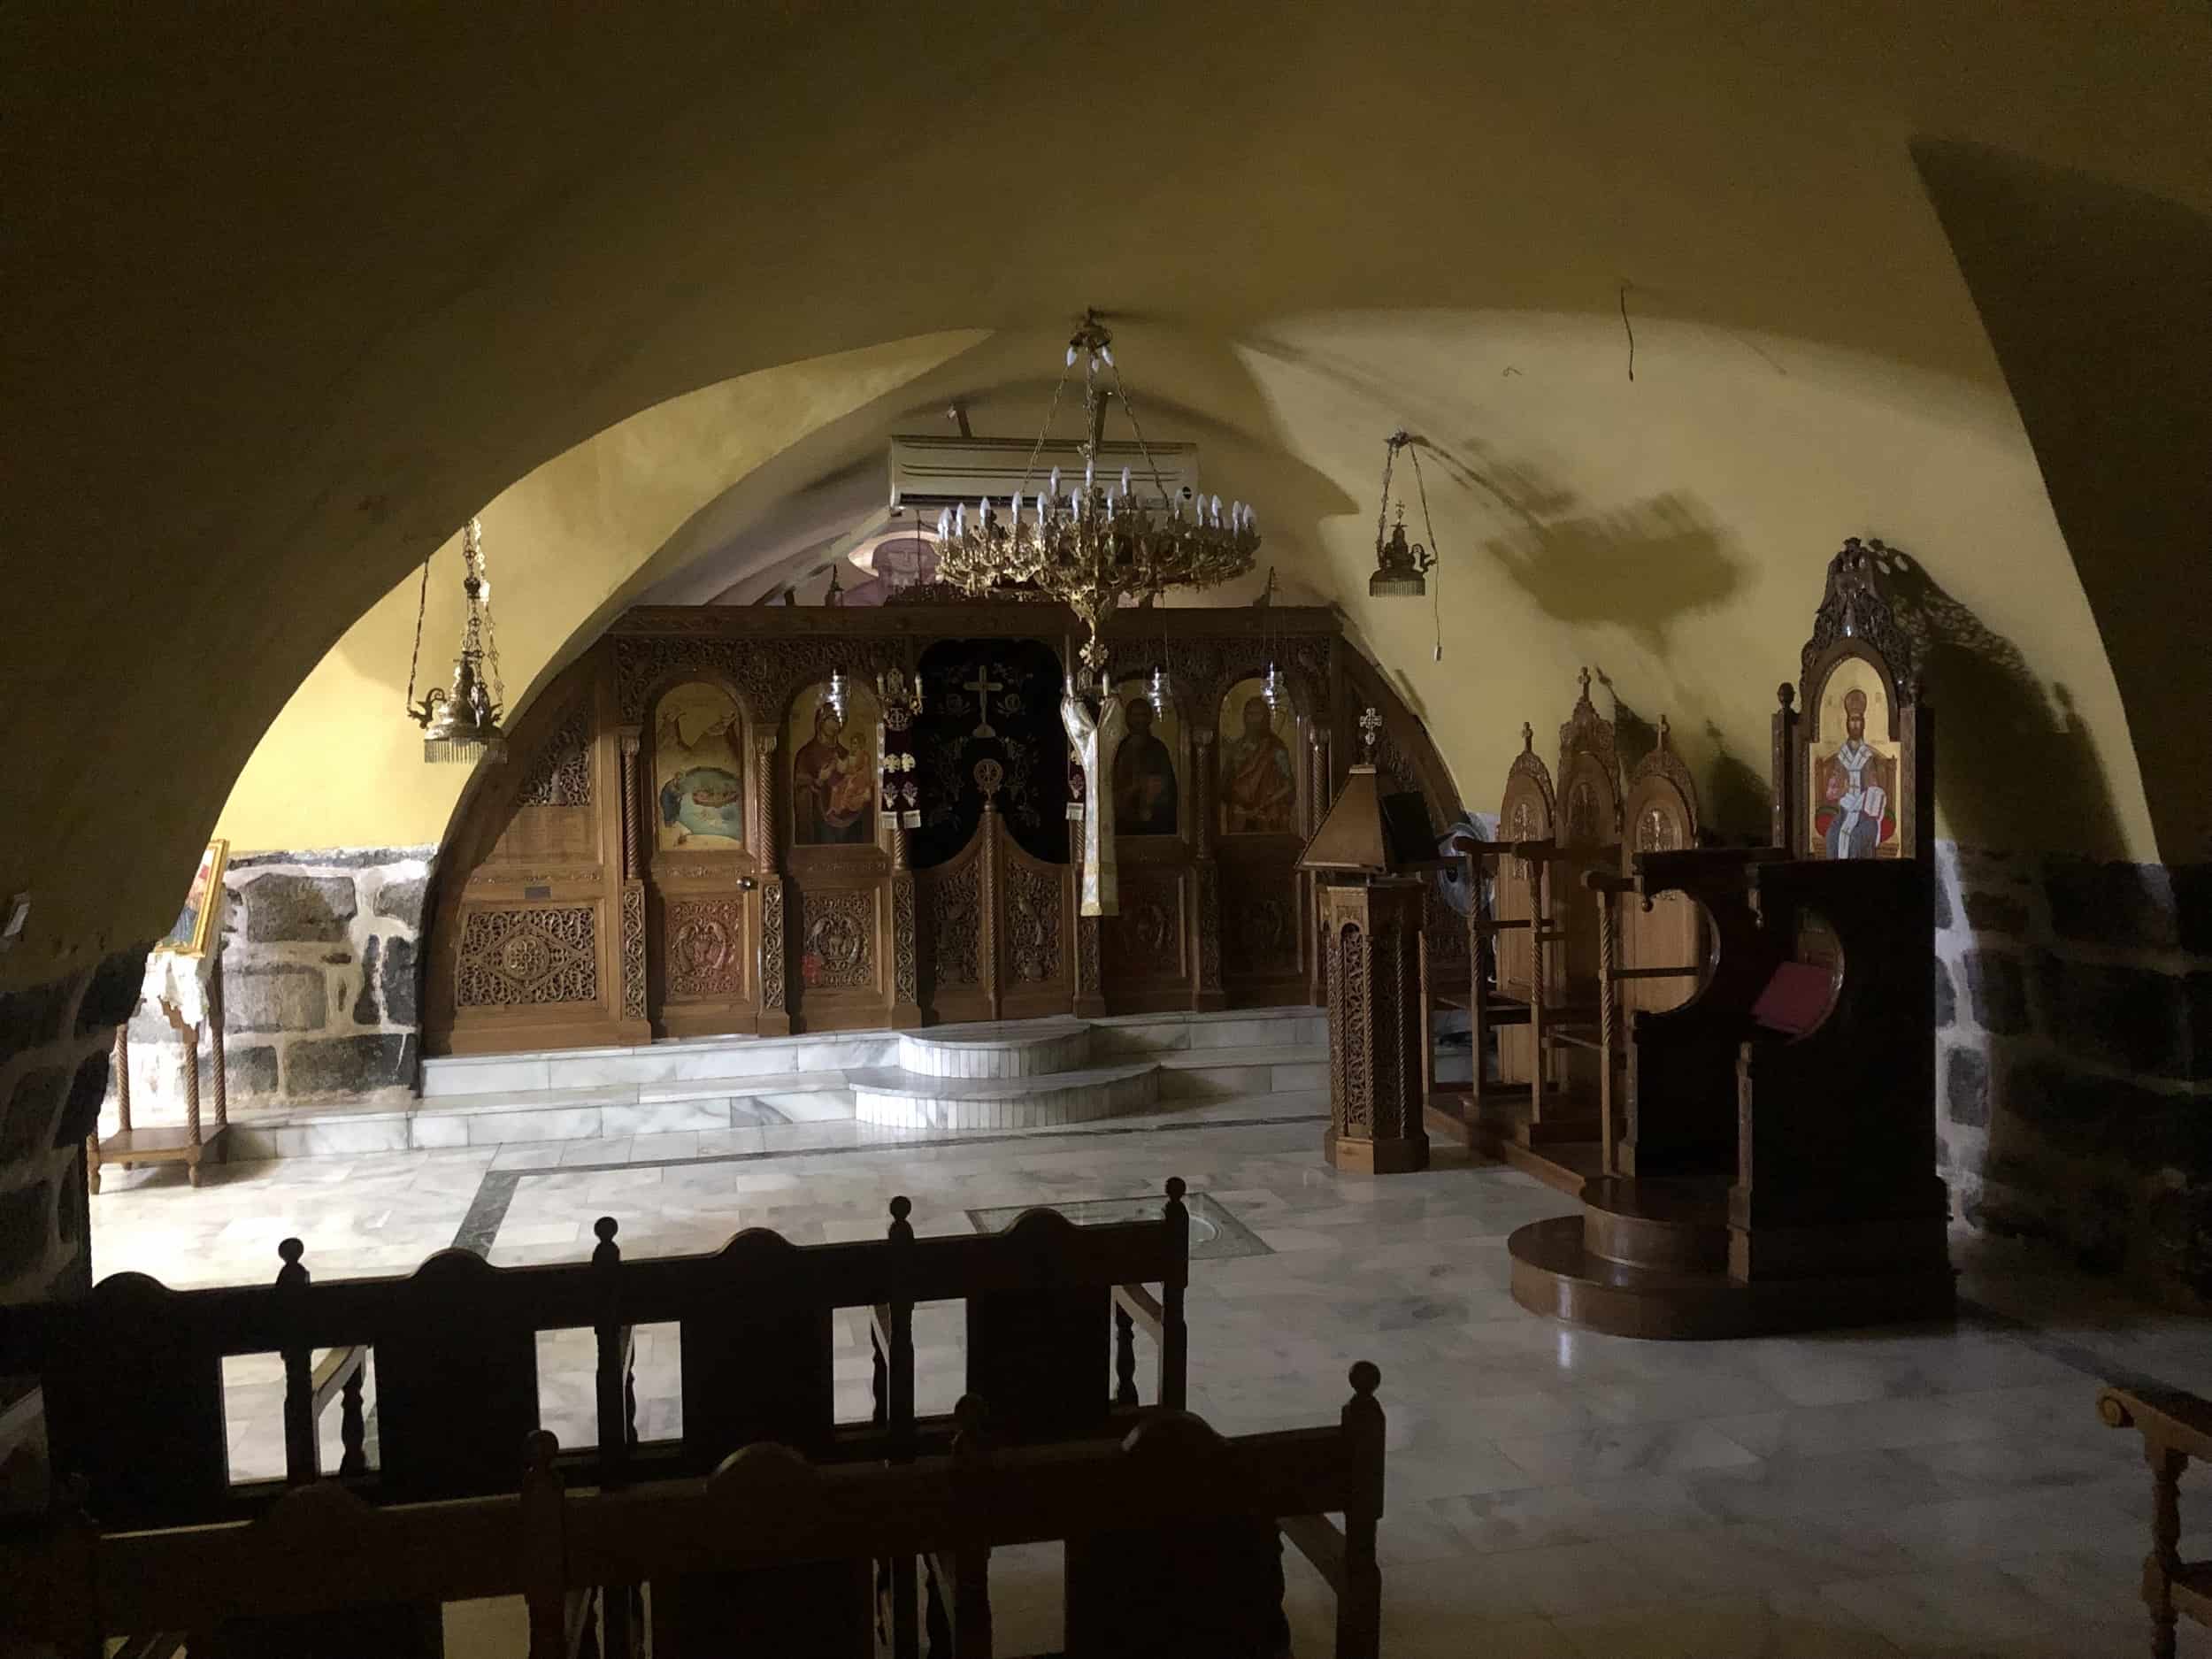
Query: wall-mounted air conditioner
column 930, row 473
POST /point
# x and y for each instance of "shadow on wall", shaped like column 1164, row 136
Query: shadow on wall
column 1639, row 567
column 2014, row 767
column 1735, row 801
column 2094, row 298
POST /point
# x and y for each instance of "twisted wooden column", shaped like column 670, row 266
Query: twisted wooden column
column 1206, row 993
column 631, row 942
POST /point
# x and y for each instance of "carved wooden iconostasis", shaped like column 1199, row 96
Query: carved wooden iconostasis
column 690, row 840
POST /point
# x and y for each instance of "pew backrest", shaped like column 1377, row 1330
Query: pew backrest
column 320, row 1549
column 133, row 1374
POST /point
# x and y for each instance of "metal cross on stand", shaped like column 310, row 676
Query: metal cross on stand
column 983, row 686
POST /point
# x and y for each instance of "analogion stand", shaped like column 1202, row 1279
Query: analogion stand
column 1372, row 911
column 186, row 1143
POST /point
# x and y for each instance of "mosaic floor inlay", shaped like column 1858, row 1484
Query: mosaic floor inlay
column 1215, row 1234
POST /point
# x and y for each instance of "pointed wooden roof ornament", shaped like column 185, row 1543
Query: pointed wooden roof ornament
column 1353, row 839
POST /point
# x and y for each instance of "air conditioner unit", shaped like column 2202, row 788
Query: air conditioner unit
column 932, row 473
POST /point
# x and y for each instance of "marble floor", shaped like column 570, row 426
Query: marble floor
column 1932, row 1490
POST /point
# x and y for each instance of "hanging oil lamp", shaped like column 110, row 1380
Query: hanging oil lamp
column 461, row 723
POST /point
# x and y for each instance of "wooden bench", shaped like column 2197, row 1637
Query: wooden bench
column 321, row 1549
column 2176, row 1426
column 454, row 1355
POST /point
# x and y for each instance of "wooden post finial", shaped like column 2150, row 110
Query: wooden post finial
column 901, row 1207
column 606, row 1253
column 291, row 1273
column 970, row 1421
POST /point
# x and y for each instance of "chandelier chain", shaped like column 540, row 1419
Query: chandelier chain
column 1029, row 467
column 491, row 633
column 1436, row 590
column 1143, row 449
column 422, row 603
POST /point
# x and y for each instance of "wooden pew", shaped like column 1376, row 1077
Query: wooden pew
column 2176, row 1427
column 453, row 1349
column 322, row 1548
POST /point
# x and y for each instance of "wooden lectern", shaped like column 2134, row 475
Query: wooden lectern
column 1371, row 914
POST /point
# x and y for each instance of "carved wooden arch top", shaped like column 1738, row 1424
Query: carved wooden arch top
column 1660, row 812
column 560, row 773
column 1207, row 670
column 1589, row 775
column 1857, row 610
column 1528, row 808
column 765, row 673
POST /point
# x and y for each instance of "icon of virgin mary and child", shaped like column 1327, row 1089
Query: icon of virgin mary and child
column 833, row 785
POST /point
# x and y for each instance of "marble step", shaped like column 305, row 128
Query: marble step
column 893, row 1095
column 1010, row 1049
column 719, row 1058
column 1217, row 1073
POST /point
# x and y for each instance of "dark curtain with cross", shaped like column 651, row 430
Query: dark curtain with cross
column 996, row 700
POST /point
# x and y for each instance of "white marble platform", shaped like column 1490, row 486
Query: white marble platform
column 723, row 1086
column 1023, row 1047
column 892, row 1095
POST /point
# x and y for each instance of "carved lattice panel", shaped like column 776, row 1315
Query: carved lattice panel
column 1145, row 939
column 521, row 958
column 837, row 940
column 1355, row 1034
column 1260, row 912
column 1033, row 900
column 633, row 950
column 561, row 776
column 954, row 927
column 703, row 949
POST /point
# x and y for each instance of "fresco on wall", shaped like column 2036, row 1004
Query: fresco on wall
column 1259, row 783
column 1146, row 794
column 833, row 768
column 699, row 768
column 1855, row 767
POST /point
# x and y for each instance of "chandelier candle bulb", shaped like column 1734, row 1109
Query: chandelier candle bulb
column 1096, row 548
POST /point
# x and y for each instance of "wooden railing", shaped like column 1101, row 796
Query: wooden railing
column 2176, row 1427
column 133, row 1373
column 321, row 1550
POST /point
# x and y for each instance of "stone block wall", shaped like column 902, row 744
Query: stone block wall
column 321, row 985
column 54, row 1042
column 2074, row 1058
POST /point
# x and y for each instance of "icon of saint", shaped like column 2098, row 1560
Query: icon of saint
column 1144, row 777
column 702, row 795
column 1259, row 792
column 1856, row 783
column 832, row 786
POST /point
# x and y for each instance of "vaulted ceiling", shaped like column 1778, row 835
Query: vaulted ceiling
column 293, row 292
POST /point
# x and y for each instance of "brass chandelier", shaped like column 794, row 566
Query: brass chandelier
column 461, row 723
column 1096, row 547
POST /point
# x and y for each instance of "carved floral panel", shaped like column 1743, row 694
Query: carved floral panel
column 703, row 952
column 518, row 958
column 837, row 939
